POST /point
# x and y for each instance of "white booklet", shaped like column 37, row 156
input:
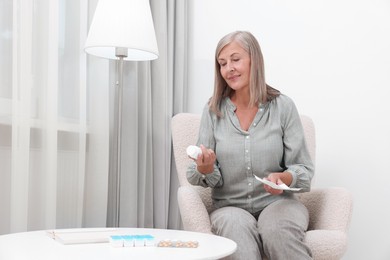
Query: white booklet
column 82, row 236
column 276, row 186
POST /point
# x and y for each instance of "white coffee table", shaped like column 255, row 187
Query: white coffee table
column 38, row 245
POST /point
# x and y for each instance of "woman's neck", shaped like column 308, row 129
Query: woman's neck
column 240, row 99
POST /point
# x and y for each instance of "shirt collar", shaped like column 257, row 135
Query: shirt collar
column 231, row 107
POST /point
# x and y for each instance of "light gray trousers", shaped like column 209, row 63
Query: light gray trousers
column 278, row 232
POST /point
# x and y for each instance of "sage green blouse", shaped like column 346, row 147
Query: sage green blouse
column 274, row 142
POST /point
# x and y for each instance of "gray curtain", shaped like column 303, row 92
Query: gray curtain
column 153, row 92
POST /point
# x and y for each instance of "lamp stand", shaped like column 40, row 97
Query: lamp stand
column 121, row 53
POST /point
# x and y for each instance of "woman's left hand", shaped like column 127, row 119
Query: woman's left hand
column 278, row 178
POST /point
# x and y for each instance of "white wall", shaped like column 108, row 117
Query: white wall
column 333, row 59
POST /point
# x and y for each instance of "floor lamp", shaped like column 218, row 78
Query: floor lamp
column 121, row 30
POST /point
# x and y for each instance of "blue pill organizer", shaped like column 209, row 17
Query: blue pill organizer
column 132, row 240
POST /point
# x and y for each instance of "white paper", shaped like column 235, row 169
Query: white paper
column 275, row 186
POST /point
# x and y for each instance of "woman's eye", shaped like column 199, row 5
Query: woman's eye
column 222, row 64
column 235, row 60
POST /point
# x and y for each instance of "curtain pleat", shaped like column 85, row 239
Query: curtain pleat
column 21, row 99
column 98, row 133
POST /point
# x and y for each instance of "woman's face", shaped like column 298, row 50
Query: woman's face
column 235, row 65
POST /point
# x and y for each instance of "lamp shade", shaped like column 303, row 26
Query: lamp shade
column 125, row 24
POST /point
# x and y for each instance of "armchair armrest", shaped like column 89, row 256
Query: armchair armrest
column 193, row 211
column 327, row 244
column 330, row 211
column 329, row 208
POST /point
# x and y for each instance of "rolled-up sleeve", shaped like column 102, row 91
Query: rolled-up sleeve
column 212, row 180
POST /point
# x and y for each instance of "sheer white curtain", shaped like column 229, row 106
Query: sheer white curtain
column 53, row 118
column 55, row 110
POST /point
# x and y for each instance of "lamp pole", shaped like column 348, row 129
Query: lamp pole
column 121, row 53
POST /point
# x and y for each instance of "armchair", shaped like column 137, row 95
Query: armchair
column 330, row 209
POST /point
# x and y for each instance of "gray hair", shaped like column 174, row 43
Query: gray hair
column 259, row 91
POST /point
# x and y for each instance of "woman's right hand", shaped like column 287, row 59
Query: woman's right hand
column 206, row 160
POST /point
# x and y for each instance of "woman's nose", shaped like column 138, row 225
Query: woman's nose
column 230, row 67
